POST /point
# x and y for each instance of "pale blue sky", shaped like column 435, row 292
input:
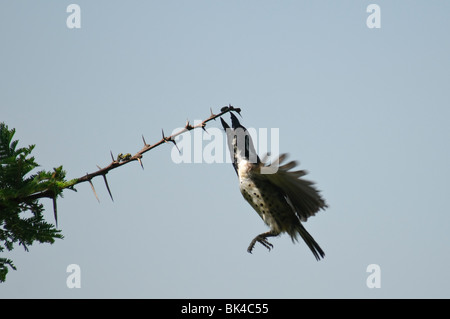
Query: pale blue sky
column 364, row 110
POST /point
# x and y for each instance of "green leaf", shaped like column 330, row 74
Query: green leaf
column 21, row 215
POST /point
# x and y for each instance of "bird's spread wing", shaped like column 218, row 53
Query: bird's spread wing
column 300, row 193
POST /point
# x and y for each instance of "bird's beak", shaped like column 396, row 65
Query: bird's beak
column 224, row 124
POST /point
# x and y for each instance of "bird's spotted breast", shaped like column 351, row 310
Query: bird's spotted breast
column 259, row 199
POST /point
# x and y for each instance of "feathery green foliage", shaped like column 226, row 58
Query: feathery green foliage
column 21, row 215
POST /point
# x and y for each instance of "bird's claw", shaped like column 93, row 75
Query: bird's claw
column 263, row 241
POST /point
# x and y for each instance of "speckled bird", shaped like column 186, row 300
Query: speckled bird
column 281, row 197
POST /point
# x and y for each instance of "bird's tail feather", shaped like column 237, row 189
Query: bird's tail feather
column 309, row 240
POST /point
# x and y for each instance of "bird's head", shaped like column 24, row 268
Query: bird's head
column 240, row 143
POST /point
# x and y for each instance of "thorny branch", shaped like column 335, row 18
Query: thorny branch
column 127, row 158
column 119, row 161
column 21, row 195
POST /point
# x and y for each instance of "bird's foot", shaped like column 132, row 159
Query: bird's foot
column 262, row 240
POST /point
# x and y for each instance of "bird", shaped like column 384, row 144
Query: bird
column 280, row 196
